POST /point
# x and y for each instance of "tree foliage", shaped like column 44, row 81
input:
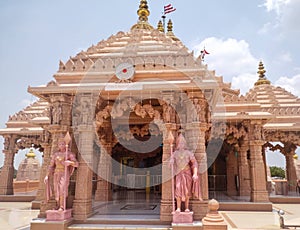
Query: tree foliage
column 277, row 172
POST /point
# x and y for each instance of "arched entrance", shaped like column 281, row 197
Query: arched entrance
column 129, row 133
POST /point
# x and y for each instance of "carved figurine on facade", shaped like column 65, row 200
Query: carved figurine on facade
column 56, row 114
column 61, row 176
column 196, row 110
column 85, row 112
column 6, row 143
column 257, row 132
column 186, row 169
column 168, row 111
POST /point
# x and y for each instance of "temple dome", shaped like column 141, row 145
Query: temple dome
column 270, row 96
column 29, row 168
column 276, row 100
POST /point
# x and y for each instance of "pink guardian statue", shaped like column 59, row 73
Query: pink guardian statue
column 62, row 165
column 186, row 181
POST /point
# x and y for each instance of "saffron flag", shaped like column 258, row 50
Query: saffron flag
column 169, row 9
column 203, row 53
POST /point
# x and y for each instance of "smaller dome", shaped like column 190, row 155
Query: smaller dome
column 29, row 168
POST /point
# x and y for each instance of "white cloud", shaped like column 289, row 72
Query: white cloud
column 244, row 82
column 290, row 84
column 231, row 59
column 287, row 14
column 276, row 5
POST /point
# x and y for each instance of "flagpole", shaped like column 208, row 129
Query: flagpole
column 164, row 21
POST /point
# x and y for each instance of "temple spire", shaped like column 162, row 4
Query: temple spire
column 143, row 13
column 170, row 31
column 261, row 74
column 160, row 26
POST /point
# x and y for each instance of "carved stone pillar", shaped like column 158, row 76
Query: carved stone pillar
column 40, row 200
column 231, row 166
column 169, row 126
column 7, row 171
column 244, row 177
column 104, row 191
column 196, row 135
column 290, row 166
column 82, row 205
column 85, row 136
column 166, row 195
column 259, row 191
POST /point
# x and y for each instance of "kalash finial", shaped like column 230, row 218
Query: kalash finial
column 261, row 74
column 30, row 153
column 160, row 26
column 170, row 31
column 143, row 13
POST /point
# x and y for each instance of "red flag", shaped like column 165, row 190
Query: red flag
column 169, row 9
column 203, row 53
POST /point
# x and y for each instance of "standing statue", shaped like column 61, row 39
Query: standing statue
column 186, row 171
column 61, row 178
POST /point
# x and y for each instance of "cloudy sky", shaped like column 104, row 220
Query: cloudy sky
column 35, row 35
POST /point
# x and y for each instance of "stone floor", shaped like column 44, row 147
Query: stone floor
column 135, row 207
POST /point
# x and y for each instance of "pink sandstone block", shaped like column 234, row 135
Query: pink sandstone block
column 182, row 217
column 55, row 215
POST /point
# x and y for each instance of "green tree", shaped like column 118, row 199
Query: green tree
column 277, row 172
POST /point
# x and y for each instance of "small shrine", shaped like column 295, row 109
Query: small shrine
column 29, row 168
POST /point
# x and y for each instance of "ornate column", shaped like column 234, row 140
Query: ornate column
column 196, row 135
column 259, row 191
column 7, row 171
column 166, row 194
column 169, row 126
column 244, row 177
column 104, row 191
column 39, row 202
column 289, row 149
column 231, row 165
column 85, row 133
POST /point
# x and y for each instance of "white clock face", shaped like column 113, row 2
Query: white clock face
column 124, row 71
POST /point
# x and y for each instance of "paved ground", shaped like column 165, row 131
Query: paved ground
column 17, row 216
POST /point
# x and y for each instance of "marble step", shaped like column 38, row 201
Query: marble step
column 118, row 227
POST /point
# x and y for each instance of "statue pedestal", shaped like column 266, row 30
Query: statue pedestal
column 182, row 217
column 55, row 215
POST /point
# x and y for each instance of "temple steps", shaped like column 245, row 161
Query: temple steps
column 99, row 222
column 118, row 227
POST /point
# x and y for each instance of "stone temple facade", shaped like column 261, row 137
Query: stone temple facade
column 123, row 97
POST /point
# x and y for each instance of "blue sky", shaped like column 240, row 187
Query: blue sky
column 35, row 35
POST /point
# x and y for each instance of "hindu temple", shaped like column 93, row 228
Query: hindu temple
column 124, row 101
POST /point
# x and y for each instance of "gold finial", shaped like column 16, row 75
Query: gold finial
column 30, row 153
column 261, row 74
column 170, row 26
column 143, row 13
column 170, row 31
column 160, row 26
column 295, row 157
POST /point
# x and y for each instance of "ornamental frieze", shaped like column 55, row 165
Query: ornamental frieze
column 282, row 136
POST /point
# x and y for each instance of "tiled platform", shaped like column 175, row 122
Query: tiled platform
column 138, row 213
